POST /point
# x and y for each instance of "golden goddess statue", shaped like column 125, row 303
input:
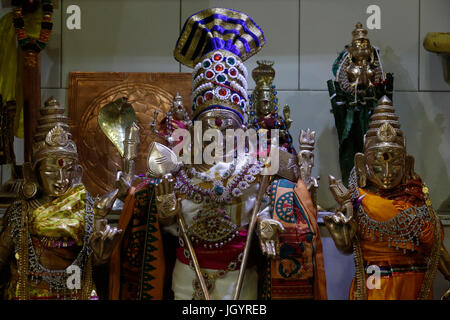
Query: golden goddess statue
column 57, row 232
column 386, row 218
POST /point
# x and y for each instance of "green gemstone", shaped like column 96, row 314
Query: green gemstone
column 221, row 78
column 206, row 64
column 231, row 61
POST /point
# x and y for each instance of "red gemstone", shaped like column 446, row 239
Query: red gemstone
column 200, row 100
column 236, row 99
column 233, row 72
column 218, row 122
column 209, row 74
column 209, row 96
column 217, row 57
column 222, row 92
column 61, row 162
column 219, row 67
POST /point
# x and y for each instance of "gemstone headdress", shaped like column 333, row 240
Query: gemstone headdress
column 384, row 127
column 215, row 42
column 52, row 135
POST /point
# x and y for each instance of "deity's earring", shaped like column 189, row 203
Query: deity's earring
column 30, row 185
column 409, row 169
column 361, row 169
column 77, row 175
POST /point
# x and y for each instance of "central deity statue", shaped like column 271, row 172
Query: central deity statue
column 213, row 208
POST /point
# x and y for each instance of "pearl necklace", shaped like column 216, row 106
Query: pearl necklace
column 219, row 193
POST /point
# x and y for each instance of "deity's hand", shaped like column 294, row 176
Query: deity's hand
column 103, row 240
column 342, row 196
column 342, row 230
column 166, row 201
column 124, row 182
column 268, row 234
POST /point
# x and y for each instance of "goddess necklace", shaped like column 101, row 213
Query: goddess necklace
column 219, row 193
column 401, row 229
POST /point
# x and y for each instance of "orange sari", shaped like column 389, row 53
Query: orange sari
column 402, row 271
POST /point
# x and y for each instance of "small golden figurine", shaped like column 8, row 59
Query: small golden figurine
column 263, row 111
column 386, row 219
column 359, row 82
column 58, row 231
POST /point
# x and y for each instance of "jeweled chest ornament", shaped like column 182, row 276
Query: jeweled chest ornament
column 219, row 192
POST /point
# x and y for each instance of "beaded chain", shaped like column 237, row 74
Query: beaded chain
column 57, row 279
column 219, row 193
column 25, row 42
column 404, row 227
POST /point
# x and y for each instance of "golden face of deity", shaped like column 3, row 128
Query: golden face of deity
column 360, row 49
column 385, row 166
column 221, row 120
column 217, row 119
column 57, row 175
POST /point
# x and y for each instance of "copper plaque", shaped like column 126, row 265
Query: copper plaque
column 147, row 92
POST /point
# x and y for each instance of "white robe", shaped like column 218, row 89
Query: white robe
column 240, row 213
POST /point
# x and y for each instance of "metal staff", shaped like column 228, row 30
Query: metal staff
column 161, row 162
column 198, row 271
column 251, row 229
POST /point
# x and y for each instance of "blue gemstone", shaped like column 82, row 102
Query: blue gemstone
column 275, row 93
column 275, row 100
column 276, row 108
column 219, row 190
column 252, row 113
column 276, row 115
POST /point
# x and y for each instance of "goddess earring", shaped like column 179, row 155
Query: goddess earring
column 30, row 186
column 361, row 169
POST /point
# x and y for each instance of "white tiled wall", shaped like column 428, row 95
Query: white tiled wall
column 303, row 38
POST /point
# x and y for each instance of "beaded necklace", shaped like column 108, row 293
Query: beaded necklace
column 25, row 42
column 219, row 192
column 56, row 279
column 401, row 229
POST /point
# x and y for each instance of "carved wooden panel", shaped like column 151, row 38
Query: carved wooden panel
column 89, row 91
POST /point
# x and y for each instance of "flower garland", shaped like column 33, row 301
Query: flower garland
column 25, row 42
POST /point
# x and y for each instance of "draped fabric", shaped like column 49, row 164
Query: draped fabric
column 137, row 265
column 10, row 72
column 402, row 274
column 299, row 272
column 62, row 217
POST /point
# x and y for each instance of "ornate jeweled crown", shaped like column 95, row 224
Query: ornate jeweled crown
column 215, row 42
column 384, row 127
column 52, row 136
